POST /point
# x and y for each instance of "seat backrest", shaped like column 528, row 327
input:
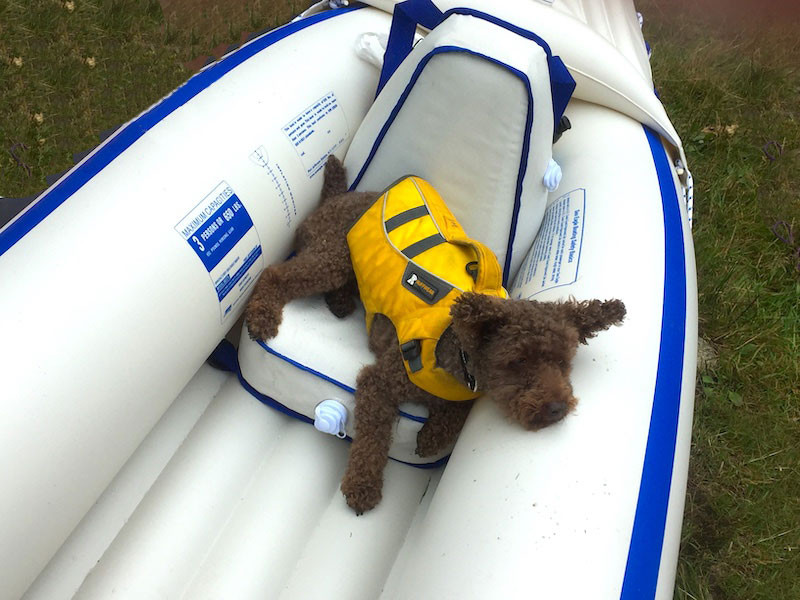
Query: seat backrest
column 471, row 110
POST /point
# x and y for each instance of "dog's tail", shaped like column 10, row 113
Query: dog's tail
column 335, row 179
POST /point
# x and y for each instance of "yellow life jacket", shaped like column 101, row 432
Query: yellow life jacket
column 412, row 260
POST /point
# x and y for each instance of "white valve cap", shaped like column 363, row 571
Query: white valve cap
column 331, row 417
column 552, row 176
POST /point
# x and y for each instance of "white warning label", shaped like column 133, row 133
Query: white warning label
column 317, row 132
column 555, row 256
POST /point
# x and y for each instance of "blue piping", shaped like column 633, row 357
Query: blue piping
column 305, row 368
column 225, row 357
column 412, row 12
column 647, row 539
column 329, row 379
column 523, row 165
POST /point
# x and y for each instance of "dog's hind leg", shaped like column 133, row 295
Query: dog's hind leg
column 335, row 182
column 342, row 301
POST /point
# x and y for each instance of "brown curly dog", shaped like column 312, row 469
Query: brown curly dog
column 519, row 351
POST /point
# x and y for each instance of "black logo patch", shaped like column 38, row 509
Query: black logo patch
column 426, row 290
column 425, row 286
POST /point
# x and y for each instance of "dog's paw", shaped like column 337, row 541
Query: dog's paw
column 340, row 302
column 264, row 310
column 428, row 442
column 263, row 322
column 361, row 495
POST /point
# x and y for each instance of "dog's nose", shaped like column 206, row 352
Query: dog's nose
column 554, row 411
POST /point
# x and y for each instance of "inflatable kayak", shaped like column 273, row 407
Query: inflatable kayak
column 151, row 449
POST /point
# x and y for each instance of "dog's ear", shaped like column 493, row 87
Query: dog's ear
column 477, row 316
column 335, row 179
column 593, row 316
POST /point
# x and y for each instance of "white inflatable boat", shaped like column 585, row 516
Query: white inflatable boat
column 133, row 468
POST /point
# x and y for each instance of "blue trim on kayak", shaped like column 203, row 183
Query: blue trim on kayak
column 305, row 368
column 327, row 378
column 125, row 137
column 647, row 539
column 226, row 357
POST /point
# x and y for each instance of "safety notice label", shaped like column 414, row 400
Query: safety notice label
column 317, row 132
column 221, row 233
column 555, row 256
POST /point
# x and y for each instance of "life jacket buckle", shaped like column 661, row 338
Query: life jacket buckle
column 412, row 354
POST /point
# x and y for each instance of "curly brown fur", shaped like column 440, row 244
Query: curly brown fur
column 380, row 388
column 335, row 181
column 519, row 351
column 322, row 263
column 343, row 300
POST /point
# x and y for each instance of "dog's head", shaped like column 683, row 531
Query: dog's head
column 521, row 351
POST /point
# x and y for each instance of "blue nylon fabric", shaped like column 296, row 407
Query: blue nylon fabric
column 54, row 197
column 647, row 539
column 562, row 85
column 401, row 34
column 409, row 14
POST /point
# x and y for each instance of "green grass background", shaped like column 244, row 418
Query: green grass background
column 69, row 70
column 731, row 87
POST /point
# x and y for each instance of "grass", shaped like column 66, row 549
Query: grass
column 729, row 94
column 72, row 69
column 68, row 75
column 732, row 93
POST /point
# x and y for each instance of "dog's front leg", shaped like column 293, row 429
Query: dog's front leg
column 377, row 389
column 445, row 421
column 303, row 275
